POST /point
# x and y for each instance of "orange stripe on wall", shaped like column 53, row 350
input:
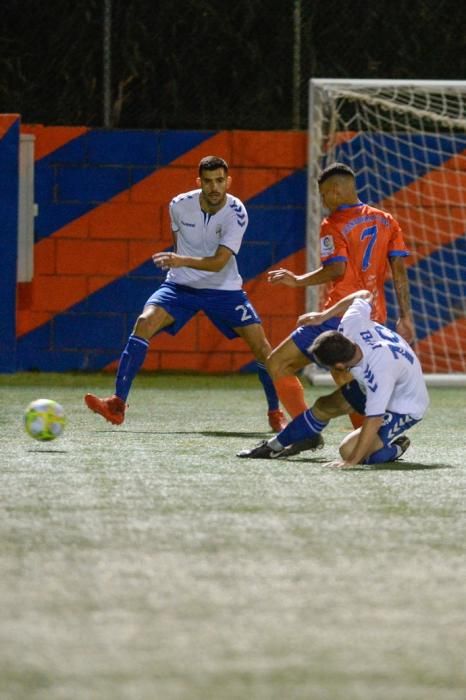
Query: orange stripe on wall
column 50, row 138
column 6, row 121
column 265, row 149
column 434, row 205
column 431, row 350
column 93, row 232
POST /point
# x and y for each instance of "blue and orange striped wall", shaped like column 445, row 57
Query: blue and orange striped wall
column 103, row 210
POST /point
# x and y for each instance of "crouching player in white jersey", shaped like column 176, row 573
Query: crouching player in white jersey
column 208, row 226
column 388, row 388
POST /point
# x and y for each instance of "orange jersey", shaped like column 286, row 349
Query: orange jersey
column 365, row 238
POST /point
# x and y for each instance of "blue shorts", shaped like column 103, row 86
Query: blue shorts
column 394, row 424
column 226, row 309
column 304, row 336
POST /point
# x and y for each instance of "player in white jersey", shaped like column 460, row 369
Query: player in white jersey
column 208, row 226
column 388, row 389
column 198, row 234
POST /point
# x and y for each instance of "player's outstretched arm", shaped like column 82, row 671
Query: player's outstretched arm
column 405, row 328
column 326, row 273
column 404, row 325
column 315, row 318
column 282, row 276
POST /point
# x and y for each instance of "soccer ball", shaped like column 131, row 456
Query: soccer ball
column 44, row 419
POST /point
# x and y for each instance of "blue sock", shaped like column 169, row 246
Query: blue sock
column 131, row 361
column 269, row 388
column 385, row 454
column 303, row 427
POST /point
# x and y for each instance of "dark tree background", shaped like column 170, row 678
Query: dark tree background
column 208, row 64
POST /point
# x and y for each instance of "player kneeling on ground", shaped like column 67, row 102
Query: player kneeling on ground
column 388, row 389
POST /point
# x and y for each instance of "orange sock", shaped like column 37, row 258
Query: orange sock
column 356, row 419
column 291, row 393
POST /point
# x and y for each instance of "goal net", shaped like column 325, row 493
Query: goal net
column 406, row 141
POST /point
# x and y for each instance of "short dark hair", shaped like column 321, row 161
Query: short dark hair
column 331, row 347
column 335, row 169
column 212, row 163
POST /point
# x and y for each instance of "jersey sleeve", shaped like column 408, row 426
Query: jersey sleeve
column 355, row 319
column 397, row 246
column 173, row 218
column 332, row 245
column 235, row 227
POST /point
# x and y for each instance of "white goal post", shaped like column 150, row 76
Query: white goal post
column 406, row 141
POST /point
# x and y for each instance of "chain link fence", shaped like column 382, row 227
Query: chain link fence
column 202, row 64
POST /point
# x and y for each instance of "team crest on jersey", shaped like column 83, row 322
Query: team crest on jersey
column 327, row 246
column 218, row 231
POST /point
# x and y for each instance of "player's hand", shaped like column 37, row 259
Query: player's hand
column 282, row 276
column 405, row 328
column 341, row 464
column 313, row 318
column 166, row 260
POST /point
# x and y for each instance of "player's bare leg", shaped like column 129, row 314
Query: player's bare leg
column 331, row 406
column 283, row 363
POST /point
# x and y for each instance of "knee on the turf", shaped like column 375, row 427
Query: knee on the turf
column 348, row 443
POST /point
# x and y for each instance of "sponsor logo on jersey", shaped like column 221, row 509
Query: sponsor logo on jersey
column 327, row 245
column 187, row 223
column 218, row 231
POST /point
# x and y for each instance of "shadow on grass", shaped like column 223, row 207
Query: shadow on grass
column 386, row 466
column 204, row 433
column 228, row 433
column 402, row 467
column 38, row 450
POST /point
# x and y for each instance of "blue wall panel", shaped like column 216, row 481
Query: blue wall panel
column 9, row 160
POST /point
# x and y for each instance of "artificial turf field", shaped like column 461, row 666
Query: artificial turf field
column 148, row 562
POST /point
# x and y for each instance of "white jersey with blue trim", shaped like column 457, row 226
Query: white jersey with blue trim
column 389, row 372
column 198, row 234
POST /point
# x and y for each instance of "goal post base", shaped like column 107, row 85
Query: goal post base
column 317, row 377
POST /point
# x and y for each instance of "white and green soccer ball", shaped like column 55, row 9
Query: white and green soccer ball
column 44, row 419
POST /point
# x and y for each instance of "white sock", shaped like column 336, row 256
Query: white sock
column 275, row 444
